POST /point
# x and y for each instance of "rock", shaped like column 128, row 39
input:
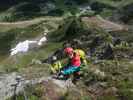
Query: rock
column 111, row 91
column 8, row 82
column 42, row 40
column 6, row 88
column 96, row 89
column 36, row 61
column 131, row 62
column 99, row 73
column 104, row 84
column 104, row 24
column 52, row 91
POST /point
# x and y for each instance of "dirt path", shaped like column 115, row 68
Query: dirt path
column 29, row 22
column 104, row 24
column 5, row 26
column 97, row 20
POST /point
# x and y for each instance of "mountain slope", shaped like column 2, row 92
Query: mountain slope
column 108, row 45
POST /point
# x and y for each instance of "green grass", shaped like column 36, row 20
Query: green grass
column 106, row 13
column 10, row 36
column 22, row 11
column 117, row 75
column 19, row 62
column 116, row 4
column 45, row 22
column 32, row 93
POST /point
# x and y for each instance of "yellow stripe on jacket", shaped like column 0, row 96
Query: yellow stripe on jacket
column 82, row 55
column 55, row 67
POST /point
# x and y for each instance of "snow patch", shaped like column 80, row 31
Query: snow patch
column 42, row 40
column 23, row 47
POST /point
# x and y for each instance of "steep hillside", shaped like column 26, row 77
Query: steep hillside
column 12, row 33
column 126, row 14
column 102, row 28
column 23, row 10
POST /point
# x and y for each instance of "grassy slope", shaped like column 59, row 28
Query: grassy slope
column 116, row 85
column 23, row 31
column 119, row 74
column 22, row 11
column 116, row 4
column 5, row 26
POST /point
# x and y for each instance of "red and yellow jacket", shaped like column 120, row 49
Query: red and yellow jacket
column 75, row 61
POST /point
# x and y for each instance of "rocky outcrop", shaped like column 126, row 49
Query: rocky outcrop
column 13, row 83
column 107, row 25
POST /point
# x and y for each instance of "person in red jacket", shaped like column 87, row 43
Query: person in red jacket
column 74, row 65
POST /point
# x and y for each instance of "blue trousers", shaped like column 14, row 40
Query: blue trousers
column 70, row 70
